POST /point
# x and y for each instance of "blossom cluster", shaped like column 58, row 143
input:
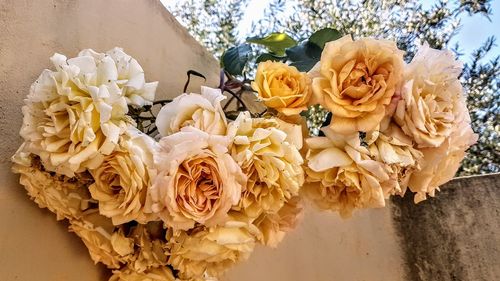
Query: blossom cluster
column 184, row 205
column 197, row 197
column 393, row 126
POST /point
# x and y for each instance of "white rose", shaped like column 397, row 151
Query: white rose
column 431, row 97
column 202, row 111
column 74, row 115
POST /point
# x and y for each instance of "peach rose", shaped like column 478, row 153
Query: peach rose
column 440, row 163
column 202, row 111
column 341, row 176
column 122, row 180
column 272, row 165
column 431, row 97
column 356, row 80
column 282, row 87
column 211, row 251
column 197, row 182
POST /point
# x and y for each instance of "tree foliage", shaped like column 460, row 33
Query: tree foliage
column 408, row 22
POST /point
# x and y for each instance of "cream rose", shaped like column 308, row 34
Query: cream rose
column 272, row 165
column 202, row 111
column 66, row 197
column 211, row 251
column 161, row 273
column 105, row 243
column 341, row 176
column 440, row 164
column 74, row 115
column 274, row 226
column 356, row 80
column 197, row 182
column 122, row 180
column 431, row 97
column 282, row 87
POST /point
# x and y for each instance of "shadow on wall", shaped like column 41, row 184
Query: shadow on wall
column 454, row 236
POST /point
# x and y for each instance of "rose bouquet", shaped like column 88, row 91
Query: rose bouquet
column 182, row 189
column 186, row 201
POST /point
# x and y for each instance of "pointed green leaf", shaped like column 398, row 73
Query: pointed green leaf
column 275, row 42
column 304, row 56
column 322, row 36
column 235, row 58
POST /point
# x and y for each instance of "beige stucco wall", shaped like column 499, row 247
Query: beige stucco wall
column 33, row 246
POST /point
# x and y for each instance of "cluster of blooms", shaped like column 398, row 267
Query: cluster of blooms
column 199, row 197
column 393, row 126
column 183, row 206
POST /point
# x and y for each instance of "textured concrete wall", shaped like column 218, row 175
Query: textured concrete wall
column 455, row 236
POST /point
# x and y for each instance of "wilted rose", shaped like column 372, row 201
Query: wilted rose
column 274, row 226
column 395, row 149
column 105, row 243
column 66, row 197
column 161, row 273
column 211, row 250
column 341, row 175
column 151, row 246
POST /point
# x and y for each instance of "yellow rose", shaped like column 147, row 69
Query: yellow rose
column 272, row 165
column 105, row 243
column 341, row 176
column 355, row 80
column 282, row 87
column 122, row 180
column 431, row 97
column 211, row 250
column 202, row 111
column 197, row 181
column 161, row 273
column 66, row 197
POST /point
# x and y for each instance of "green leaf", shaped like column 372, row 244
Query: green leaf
column 304, row 56
column 322, row 36
column 275, row 42
column 235, row 58
column 271, row 57
column 304, row 65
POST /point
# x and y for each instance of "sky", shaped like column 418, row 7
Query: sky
column 471, row 35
